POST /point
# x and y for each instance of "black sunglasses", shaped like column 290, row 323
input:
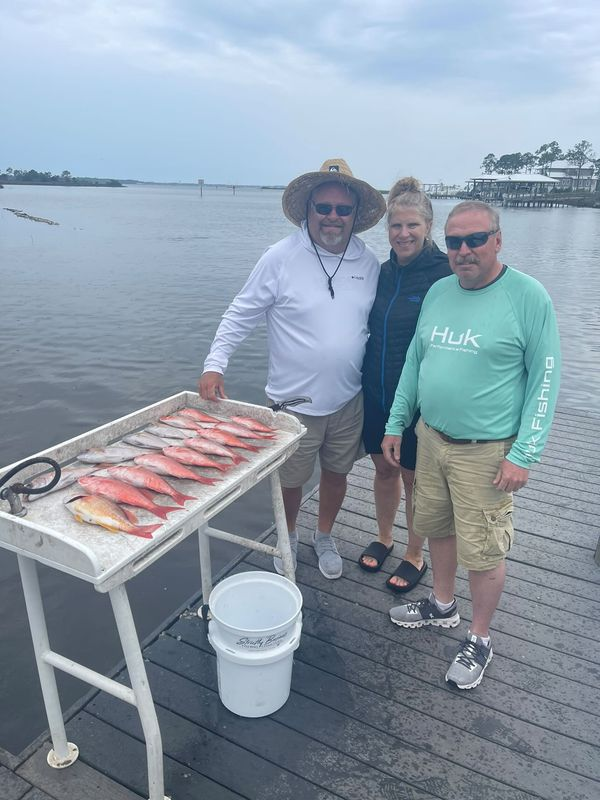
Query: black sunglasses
column 326, row 208
column 472, row 241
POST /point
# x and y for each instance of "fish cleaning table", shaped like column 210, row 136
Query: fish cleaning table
column 48, row 533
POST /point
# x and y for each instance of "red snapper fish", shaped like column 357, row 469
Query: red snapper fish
column 124, row 493
column 242, row 431
column 102, row 511
column 197, row 415
column 253, row 424
column 144, row 478
column 168, row 466
column 228, row 439
column 212, row 448
column 194, row 458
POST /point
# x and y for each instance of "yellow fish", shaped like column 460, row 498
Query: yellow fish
column 103, row 512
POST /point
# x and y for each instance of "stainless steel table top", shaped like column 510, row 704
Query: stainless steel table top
column 50, row 534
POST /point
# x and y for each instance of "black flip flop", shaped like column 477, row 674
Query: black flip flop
column 409, row 573
column 375, row 550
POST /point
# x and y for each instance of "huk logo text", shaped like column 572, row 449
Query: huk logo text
column 447, row 337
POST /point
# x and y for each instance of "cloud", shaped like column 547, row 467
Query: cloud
column 260, row 90
column 505, row 47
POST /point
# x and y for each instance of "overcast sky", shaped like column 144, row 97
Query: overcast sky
column 259, row 91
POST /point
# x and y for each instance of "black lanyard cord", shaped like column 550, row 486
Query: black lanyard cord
column 332, row 276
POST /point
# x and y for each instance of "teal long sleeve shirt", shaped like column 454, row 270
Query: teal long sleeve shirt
column 484, row 364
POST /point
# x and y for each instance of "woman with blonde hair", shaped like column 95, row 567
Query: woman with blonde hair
column 415, row 263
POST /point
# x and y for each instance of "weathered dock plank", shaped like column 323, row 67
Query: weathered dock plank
column 12, row 787
column 75, row 783
column 127, row 762
column 37, row 794
column 258, row 758
column 316, row 755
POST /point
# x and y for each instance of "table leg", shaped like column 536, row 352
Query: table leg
column 205, row 563
column 283, row 538
column 63, row 753
column 139, row 684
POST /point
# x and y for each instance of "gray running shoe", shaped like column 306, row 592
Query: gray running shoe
column 424, row 612
column 466, row 671
column 330, row 561
column 278, row 563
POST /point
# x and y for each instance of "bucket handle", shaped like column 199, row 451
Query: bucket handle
column 204, row 614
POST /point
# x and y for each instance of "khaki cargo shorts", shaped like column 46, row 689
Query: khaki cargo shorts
column 334, row 438
column 453, row 494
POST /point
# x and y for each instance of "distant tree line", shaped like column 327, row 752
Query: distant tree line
column 11, row 175
column 543, row 159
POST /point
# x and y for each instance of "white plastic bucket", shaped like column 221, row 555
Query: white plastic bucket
column 254, row 683
column 255, row 610
column 255, row 628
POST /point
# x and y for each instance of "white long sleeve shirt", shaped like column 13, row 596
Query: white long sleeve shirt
column 316, row 343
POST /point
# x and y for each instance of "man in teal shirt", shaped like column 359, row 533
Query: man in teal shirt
column 483, row 367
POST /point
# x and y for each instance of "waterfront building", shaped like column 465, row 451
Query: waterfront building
column 566, row 175
column 493, row 188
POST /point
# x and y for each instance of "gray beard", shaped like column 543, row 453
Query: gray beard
column 332, row 239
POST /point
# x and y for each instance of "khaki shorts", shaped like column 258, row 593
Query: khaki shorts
column 334, row 438
column 453, row 494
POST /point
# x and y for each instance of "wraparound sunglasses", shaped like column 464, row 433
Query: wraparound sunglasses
column 473, row 240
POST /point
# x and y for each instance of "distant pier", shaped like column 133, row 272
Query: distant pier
column 440, row 191
column 551, row 200
column 527, row 191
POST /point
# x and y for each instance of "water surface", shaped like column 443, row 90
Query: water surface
column 115, row 308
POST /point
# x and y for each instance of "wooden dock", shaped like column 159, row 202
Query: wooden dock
column 544, row 200
column 370, row 715
column 551, row 200
column 441, row 191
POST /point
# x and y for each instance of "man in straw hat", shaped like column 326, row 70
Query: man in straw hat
column 315, row 289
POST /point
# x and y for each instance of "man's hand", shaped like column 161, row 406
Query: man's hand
column 510, row 477
column 211, row 386
column 390, row 447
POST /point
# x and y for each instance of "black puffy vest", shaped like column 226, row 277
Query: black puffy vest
column 393, row 319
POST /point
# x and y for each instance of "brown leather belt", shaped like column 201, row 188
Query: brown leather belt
column 450, row 440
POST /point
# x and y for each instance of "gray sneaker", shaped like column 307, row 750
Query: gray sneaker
column 466, row 671
column 278, row 563
column 330, row 561
column 424, row 612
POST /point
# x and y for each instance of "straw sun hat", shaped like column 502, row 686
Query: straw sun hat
column 371, row 205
